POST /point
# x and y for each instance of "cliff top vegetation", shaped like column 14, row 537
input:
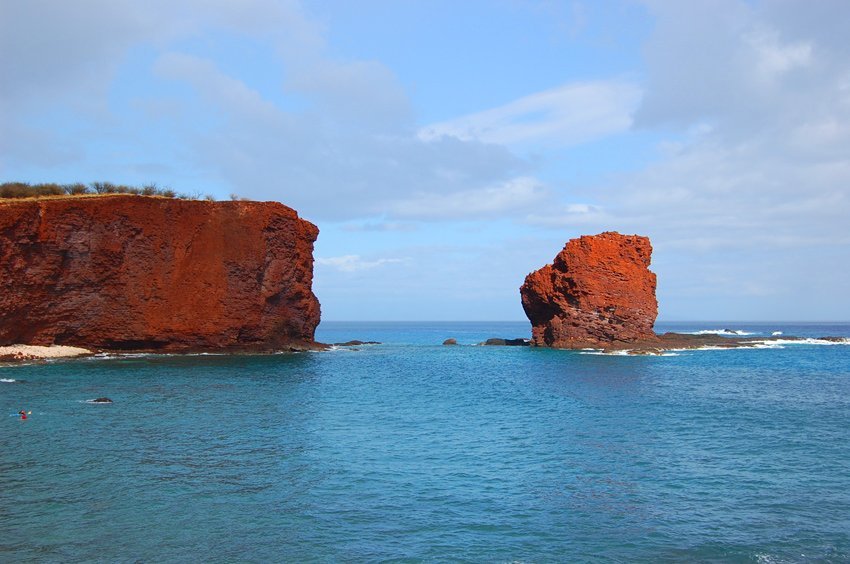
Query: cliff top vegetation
column 9, row 190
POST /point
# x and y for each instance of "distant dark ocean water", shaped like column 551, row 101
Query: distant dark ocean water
column 414, row 451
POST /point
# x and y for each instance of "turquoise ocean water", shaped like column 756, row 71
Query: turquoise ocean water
column 412, row 451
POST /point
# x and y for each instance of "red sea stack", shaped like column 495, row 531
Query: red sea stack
column 599, row 292
column 130, row 272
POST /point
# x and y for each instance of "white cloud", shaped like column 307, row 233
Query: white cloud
column 568, row 115
column 354, row 263
column 336, row 141
column 505, row 198
column 329, row 164
column 216, row 86
column 570, row 215
column 773, row 57
column 775, row 155
column 755, row 192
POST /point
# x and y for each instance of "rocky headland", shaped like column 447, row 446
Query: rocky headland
column 125, row 272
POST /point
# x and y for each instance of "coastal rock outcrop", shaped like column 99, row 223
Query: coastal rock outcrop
column 500, row 342
column 598, row 292
column 147, row 273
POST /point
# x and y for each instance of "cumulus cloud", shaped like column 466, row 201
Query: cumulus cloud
column 59, row 61
column 744, row 67
column 337, row 141
column 771, row 98
column 328, row 163
column 753, row 100
column 759, row 95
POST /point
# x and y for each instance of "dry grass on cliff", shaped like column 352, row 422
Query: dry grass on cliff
column 20, row 190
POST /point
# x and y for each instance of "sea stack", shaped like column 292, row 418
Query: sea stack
column 125, row 272
column 598, row 293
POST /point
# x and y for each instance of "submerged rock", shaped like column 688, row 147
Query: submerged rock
column 598, row 292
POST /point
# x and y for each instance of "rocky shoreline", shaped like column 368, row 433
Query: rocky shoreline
column 14, row 354
column 671, row 342
column 663, row 344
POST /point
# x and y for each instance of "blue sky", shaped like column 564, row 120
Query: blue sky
column 446, row 149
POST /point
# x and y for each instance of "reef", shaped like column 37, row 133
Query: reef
column 130, row 272
column 597, row 293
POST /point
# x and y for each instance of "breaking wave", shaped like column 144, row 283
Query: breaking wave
column 772, row 344
column 628, row 352
column 726, row 332
column 775, row 343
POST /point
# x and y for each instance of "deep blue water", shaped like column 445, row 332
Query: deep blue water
column 414, row 451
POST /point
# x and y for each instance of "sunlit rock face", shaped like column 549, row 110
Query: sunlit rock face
column 598, row 292
column 133, row 272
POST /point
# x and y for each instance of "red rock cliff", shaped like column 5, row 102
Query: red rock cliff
column 133, row 272
column 599, row 292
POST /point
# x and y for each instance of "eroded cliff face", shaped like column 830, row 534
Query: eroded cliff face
column 133, row 272
column 599, row 292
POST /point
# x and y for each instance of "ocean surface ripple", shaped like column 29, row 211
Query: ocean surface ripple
column 415, row 451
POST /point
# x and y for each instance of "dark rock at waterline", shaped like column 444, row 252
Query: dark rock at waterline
column 450, row 342
column 101, row 400
column 356, row 343
column 497, row 342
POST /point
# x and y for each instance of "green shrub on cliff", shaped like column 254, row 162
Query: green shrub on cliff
column 26, row 190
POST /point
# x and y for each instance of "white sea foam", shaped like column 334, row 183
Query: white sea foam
column 605, row 353
column 8, row 380
column 775, row 333
column 725, row 332
column 335, row 348
column 627, row 352
column 112, row 356
column 807, row 341
column 712, row 348
column 772, row 344
column 125, row 355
